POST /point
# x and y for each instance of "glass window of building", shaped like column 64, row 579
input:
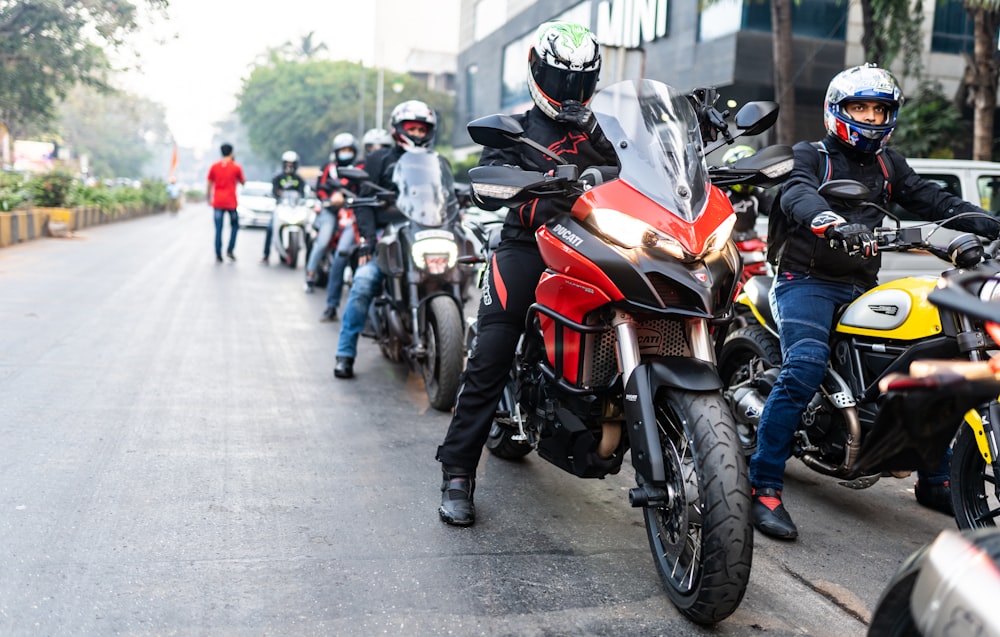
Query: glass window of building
column 952, row 31
column 720, row 18
column 826, row 19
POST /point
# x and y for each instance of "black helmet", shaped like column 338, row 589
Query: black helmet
column 564, row 63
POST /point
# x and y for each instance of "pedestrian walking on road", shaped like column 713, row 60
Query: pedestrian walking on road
column 220, row 193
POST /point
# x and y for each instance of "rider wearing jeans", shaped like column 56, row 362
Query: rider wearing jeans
column 413, row 125
column 328, row 185
column 829, row 257
column 564, row 64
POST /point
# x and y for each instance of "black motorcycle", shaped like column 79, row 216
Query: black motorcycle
column 419, row 316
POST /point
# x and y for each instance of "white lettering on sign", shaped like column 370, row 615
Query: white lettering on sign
column 631, row 23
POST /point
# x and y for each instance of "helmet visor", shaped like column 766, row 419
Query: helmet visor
column 560, row 85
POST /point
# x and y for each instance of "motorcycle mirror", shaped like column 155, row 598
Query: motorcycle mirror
column 845, row 189
column 756, row 117
column 351, row 173
column 496, row 131
column 503, row 131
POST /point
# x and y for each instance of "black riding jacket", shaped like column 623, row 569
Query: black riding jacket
column 565, row 141
column 805, row 253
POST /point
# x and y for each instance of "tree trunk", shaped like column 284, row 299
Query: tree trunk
column 784, row 86
column 984, row 85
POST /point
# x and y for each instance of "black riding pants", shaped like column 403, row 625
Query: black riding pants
column 514, row 271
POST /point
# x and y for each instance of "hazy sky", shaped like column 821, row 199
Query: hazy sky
column 193, row 63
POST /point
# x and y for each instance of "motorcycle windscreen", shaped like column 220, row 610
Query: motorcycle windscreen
column 426, row 188
column 655, row 132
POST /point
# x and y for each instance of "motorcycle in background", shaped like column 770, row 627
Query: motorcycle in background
column 617, row 353
column 292, row 217
column 419, row 316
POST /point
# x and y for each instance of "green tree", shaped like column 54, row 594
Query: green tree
column 929, row 124
column 47, row 47
column 117, row 132
column 302, row 105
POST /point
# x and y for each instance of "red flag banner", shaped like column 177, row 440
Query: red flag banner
column 173, row 162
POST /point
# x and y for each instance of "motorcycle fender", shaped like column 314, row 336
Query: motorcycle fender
column 674, row 372
column 975, row 422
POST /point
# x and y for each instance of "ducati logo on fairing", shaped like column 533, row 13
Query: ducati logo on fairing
column 567, row 235
column 890, row 310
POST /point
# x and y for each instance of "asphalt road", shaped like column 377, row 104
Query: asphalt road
column 177, row 459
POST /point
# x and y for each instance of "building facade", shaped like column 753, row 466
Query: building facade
column 726, row 45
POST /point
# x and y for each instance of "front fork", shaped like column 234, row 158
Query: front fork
column 642, row 381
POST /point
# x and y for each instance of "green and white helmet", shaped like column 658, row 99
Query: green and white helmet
column 564, row 63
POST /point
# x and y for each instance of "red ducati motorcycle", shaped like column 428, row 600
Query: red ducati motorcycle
column 617, row 354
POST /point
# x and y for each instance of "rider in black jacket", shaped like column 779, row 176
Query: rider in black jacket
column 814, row 278
column 564, row 62
column 413, row 124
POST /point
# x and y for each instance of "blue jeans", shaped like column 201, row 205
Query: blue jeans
column 341, row 257
column 327, row 223
column 804, row 308
column 367, row 284
column 234, row 225
column 268, row 235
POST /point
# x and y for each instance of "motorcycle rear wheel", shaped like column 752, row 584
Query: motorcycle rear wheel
column 974, row 496
column 702, row 542
column 445, row 343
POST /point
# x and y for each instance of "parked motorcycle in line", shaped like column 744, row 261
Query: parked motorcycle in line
column 418, row 317
column 617, row 354
column 292, row 216
column 879, row 333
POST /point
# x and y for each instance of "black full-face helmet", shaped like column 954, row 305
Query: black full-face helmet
column 564, row 63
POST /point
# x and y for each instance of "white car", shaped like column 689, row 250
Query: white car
column 255, row 203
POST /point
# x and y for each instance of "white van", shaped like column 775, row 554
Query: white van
column 975, row 181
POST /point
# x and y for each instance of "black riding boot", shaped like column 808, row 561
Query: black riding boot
column 457, row 487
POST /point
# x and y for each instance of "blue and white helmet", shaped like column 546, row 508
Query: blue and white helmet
column 862, row 83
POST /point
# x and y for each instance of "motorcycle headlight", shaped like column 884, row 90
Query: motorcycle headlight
column 436, row 255
column 990, row 292
column 296, row 216
column 630, row 232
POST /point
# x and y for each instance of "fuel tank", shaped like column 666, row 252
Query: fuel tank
column 896, row 309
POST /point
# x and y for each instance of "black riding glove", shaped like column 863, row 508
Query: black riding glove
column 574, row 113
column 853, row 238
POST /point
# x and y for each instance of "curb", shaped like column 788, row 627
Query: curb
column 18, row 226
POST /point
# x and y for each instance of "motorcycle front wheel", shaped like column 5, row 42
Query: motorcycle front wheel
column 445, row 341
column 974, row 488
column 702, row 540
column 292, row 251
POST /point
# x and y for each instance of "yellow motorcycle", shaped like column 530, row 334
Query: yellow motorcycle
column 877, row 335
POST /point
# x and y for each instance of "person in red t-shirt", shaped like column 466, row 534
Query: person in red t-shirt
column 221, row 195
